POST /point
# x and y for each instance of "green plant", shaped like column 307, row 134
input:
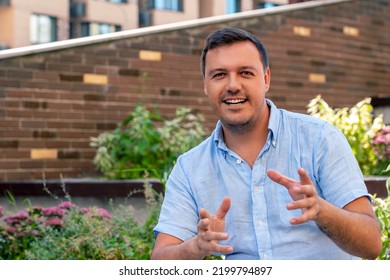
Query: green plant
column 382, row 212
column 66, row 231
column 144, row 141
column 358, row 126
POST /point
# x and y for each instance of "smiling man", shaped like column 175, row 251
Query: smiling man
column 258, row 188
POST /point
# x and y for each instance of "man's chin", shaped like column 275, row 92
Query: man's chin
column 237, row 125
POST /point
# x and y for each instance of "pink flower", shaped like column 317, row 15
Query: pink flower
column 1, row 211
column 54, row 222
column 66, row 205
column 11, row 229
column 53, row 211
column 84, row 210
column 104, row 213
column 386, row 129
column 22, row 215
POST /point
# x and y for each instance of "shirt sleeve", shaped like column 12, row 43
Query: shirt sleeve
column 339, row 175
column 179, row 212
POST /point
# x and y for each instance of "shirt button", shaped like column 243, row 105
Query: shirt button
column 257, row 189
column 239, row 161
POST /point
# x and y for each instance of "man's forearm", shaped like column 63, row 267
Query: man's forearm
column 355, row 233
column 187, row 250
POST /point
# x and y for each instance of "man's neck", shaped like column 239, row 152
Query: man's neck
column 248, row 144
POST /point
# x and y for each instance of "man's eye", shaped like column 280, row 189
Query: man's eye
column 219, row 75
column 246, row 73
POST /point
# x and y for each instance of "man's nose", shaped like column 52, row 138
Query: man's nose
column 233, row 84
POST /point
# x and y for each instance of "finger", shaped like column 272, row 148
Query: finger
column 280, row 178
column 224, row 249
column 303, row 204
column 223, row 208
column 302, row 191
column 298, row 220
column 214, row 236
column 304, row 177
column 203, row 213
column 311, row 214
column 203, row 225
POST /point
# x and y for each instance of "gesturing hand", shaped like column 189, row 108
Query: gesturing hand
column 303, row 193
column 211, row 229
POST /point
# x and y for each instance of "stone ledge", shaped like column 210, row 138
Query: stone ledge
column 120, row 188
column 79, row 187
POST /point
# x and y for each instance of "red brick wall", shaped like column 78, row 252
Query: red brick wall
column 53, row 102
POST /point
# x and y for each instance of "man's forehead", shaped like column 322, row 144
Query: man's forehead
column 240, row 51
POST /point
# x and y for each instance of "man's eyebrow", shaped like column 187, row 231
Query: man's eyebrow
column 247, row 67
column 213, row 71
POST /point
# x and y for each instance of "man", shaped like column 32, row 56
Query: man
column 267, row 183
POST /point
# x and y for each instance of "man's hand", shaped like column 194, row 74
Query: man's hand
column 348, row 227
column 303, row 194
column 211, row 230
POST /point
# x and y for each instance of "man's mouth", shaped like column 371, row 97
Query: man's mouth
column 234, row 101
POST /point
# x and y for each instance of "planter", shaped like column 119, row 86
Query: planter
column 377, row 185
column 83, row 192
column 104, row 193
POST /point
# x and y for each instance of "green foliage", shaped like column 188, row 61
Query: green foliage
column 358, row 126
column 68, row 232
column 139, row 144
column 382, row 212
column 370, row 143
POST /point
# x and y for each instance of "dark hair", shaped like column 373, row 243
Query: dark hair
column 227, row 36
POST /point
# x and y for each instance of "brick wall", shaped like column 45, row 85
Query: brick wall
column 53, row 102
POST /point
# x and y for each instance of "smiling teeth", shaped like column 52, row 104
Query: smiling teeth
column 234, row 101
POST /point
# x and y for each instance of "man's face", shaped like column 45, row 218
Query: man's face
column 236, row 83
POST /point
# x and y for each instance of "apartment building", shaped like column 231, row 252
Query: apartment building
column 26, row 22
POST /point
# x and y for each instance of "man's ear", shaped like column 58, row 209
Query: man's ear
column 267, row 79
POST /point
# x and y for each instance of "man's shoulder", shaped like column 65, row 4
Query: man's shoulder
column 310, row 122
column 202, row 149
column 301, row 117
column 291, row 118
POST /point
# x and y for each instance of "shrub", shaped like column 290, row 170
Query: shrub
column 358, row 126
column 382, row 211
column 140, row 144
column 66, row 231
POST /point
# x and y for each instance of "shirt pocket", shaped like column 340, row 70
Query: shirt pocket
column 284, row 198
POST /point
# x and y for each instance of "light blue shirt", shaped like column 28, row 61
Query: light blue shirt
column 258, row 222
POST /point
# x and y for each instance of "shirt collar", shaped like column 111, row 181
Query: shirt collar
column 273, row 123
column 273, row 127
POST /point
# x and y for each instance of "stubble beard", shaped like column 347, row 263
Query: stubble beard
column 239, row 127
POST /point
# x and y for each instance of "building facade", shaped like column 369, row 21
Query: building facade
column 55, row 97
column 26, row 22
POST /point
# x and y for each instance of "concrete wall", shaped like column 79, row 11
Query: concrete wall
column 52, row 102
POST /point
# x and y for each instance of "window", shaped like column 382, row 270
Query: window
column 43, row 29
column 172, row 5
column 117, row 1
column 96, row 28
column 233, row 6
column 265, row 5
